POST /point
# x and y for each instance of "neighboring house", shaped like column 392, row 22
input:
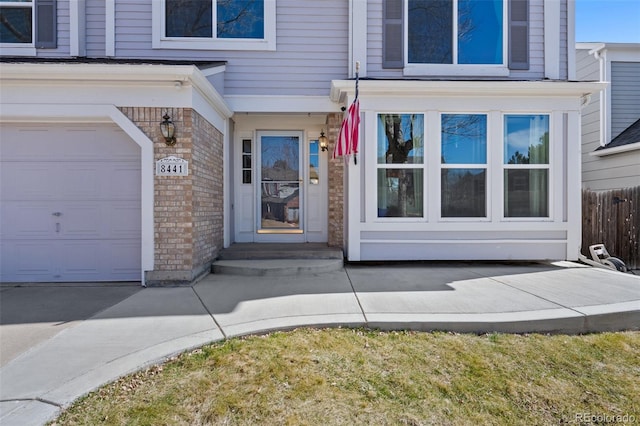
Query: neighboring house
column 611, row 121
column 469, row 134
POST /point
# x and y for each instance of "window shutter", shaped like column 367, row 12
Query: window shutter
column 392, row 34
column 519, row 34
column 45, row 14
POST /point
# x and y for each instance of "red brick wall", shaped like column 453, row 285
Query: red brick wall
column 187, row 209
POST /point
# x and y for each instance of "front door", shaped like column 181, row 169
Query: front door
column 280, row 212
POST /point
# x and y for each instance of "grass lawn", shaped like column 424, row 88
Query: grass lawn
column 351, row 377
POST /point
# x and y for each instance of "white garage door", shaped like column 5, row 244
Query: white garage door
column 69, row 204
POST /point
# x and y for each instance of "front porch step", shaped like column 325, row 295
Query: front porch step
column 276, row 259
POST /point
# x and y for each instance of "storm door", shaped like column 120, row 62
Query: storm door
column 280, row 196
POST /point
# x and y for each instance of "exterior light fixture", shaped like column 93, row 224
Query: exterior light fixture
column 324, row 142
column 168, row 130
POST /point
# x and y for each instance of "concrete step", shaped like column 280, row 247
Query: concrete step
column 276, row 267
column 249, row 251
column 278, row 259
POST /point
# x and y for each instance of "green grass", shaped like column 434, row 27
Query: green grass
column 350, row 377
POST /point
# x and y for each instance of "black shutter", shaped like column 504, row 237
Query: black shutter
column 392, row 34
column 519, row 34
column 45, row 13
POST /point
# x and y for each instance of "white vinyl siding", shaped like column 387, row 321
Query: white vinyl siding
column 95, row 32
column 312, row 48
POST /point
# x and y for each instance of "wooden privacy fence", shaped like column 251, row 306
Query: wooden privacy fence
column 612, row 218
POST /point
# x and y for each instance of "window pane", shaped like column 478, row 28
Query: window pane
column 463, row 192
column 15, row 25
column 400, row 138
column 464, row 139
column 240, row 19
column 314, row 163
column 480, row 32
column 430, row 31
column 189, row 18
column 526, row 139
column 400, row 193
column 526, row 193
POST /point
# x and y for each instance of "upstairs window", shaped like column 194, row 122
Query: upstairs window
column 456, row 37
column 455, row 32
column 215, row 24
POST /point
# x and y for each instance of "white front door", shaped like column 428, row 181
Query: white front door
column 280, row 196
column 280, row 187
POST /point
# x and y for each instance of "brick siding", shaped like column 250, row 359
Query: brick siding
column 336, row 186
column 188, row 210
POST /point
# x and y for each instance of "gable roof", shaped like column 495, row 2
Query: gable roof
column 629, row 136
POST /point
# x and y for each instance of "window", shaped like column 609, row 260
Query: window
column 246, row 161
column 455, row 32
column 400, row 149
column 455, row 37
column 314, row 162
column 215, row 24
column 463, row 174
column 16, row 22
column 526, row 166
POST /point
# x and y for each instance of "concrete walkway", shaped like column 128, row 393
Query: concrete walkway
column 59, row 342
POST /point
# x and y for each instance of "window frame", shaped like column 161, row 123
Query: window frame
column 422, row 166
column 21, row 49
column 478, row 166
column 161, row 41
column 456, row 69
column 549, row 167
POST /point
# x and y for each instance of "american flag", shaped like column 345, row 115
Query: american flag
column 347, row 143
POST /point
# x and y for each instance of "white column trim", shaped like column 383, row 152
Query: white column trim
column 77, row 28
column 110, row 28
column 552, row 39
column 574, row 178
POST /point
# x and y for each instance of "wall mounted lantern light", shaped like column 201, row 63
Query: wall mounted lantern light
column 168, row 130
column 324, row 142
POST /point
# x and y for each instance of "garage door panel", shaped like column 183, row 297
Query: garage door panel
column 24, row 261
column 124, row 183
column 82, row 260
column 28, row 181
column 124, row 219
column 27, row 220
column 84, row 220
column 25, row 143
column 126, row 258
column 79, row 181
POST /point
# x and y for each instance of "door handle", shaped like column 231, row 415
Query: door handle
column 57, row 214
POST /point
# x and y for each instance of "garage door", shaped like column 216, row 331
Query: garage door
column 69, row 204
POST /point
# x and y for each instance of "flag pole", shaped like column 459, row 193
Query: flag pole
column 355, row 155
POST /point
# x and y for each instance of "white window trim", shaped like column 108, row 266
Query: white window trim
column 455, row 69
column 481, row 166
column 407, row 166
column 268, row 43
column 21, row 49
column 550, row 166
